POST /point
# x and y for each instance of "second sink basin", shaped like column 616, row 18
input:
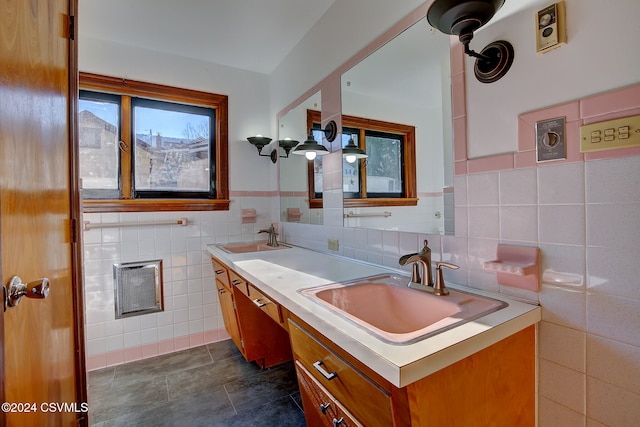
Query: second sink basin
column 244, row 247
column 385, row 307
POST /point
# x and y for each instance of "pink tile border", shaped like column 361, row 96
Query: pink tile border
column 236, row 193
column 627, row 98
column 112, row 358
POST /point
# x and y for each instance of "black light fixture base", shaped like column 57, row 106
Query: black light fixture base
column 496, row 59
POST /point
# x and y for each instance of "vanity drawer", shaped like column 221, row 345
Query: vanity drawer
column 363, row 398
column 265, row 304
column 321, row 409
column 220, row 272
column 238, row 282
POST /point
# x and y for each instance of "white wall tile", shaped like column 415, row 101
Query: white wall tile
column 612, row 405
column 614, row 362
column 483, row 189
column 518, row 187
column 613, row 181
column 484, row 222
column 613, row 271
column 562, row 224
column 613, row 226
column 551, row 414
column 614, row 317
column 562, row 385
column 561, row 184
column 563, row 306
column 519, row 223
column 563, row 346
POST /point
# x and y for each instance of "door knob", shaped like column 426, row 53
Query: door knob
column 36, row 289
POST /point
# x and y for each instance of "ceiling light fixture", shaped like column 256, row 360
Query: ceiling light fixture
column 462, row 18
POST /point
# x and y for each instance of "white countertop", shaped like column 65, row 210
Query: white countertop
column 282, row 273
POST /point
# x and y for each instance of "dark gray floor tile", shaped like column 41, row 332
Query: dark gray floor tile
column 204, row 386
column 203, row 410
column 297, row 399
column 271, row 384
column 161, row 365
column 282, row 412
column 223, row 349
column 106, row 405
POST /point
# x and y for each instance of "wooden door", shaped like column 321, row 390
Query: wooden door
column 43, row 371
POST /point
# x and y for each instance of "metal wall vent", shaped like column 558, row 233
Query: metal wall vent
column 138, row 288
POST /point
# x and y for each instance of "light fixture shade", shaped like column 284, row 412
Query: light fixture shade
column 259, row 141
column 310, row 146
column 287, row 144
column 352, row 152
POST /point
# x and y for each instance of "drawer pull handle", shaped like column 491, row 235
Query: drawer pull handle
column 236, row 282
column 258, row 303
column 339, row 422
column 324, row 407
column 221, row 290
column 327, row 375
column 219, row 271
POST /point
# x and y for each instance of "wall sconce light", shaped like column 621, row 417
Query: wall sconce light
column 310, row 148
column 287, row 144
column 352, row 152
column 462, row 18
column 260, row 141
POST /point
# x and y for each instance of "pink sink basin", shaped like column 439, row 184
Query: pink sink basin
column 244, row 247
column 387, row 308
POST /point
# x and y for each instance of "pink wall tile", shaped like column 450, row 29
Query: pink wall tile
column 612, row 116
column 458, row 96
column 181, row 343
column 460, row 138
column 525, row 159
column 457, row 56
column 196, row 339
column 210, row 336
column 570, row 110
column 96, row 361
column 491, row 163
column 460, row 168
column 166, row 346
column 617, row 100
column 526, row 135
column 114, row 358
column 150, row 350
column 132, row 353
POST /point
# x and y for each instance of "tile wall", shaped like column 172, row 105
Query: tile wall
column 191, row 315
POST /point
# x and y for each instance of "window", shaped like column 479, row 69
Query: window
column 146, row 147
column 387, row 176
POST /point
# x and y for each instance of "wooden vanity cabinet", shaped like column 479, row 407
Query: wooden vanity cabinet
column 258, row 336
column 227, row 303
column 495, row 386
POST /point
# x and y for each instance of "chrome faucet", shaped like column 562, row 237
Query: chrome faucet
column 272, row 240
column 425, row 282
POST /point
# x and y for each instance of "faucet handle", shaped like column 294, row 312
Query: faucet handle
column 439, row 288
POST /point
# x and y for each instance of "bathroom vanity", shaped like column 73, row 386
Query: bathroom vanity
column 480, row 372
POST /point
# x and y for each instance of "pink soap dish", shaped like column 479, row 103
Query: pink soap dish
column 516, row 266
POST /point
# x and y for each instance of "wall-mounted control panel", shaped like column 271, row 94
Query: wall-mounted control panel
column 619, row 133
column 550, row 27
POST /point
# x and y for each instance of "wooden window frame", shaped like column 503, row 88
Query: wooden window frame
column 409, row 156
column 132, row 88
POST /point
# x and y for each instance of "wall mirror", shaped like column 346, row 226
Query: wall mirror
column 294, row 174
column 407, row 82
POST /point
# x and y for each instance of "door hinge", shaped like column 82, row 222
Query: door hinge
column 72, row 27
column 234, row 305
column 242, row 343
column 73, row 229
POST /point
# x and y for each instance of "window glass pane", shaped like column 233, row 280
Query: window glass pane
column 350, row 171
column 172, row 148
column 99, row 134
column 384, row 164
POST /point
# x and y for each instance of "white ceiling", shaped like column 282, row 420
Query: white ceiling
column 253, row 35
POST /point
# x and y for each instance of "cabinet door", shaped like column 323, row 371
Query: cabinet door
column 227, row 306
